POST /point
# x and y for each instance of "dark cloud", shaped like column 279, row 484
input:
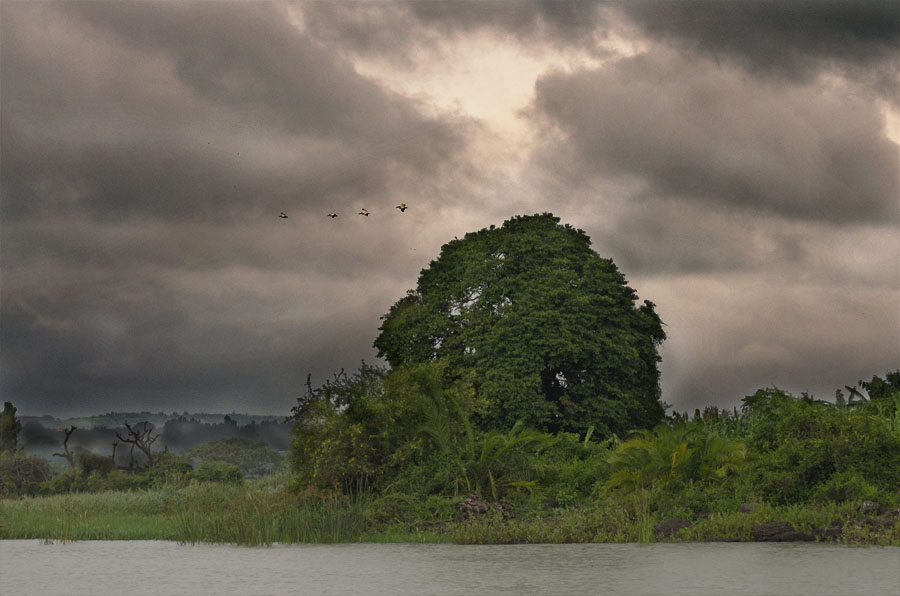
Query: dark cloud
column 795, row 40
column 686, row 128
column 147, row 150
column 556, row 20
column 91, row 339
column 739, row 334
column 176, row 142
column 398, row 29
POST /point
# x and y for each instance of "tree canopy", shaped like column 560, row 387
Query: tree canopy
column 546, row 330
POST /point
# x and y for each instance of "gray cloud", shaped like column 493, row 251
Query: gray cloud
column 398, row 29
column 732, row 334
column 796, row 40
column 320, row 132
column 792, row 40
column 683, row 127
column 147, row 150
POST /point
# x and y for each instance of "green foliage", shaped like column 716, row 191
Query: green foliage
column 9, row 428
column 674, row 457
column 375, row 430
column 483, row 462
column 169, row 468
column 356, row 430
column 809, row 449
column 546, row 329
column 729, row 423
column 253, row 459
column 568, row 468
column 218, row 471
column 494, row 462
column 93, row 463
column 22, row 474
column 844, row 486
column 247, row 514
column 410, row 510
column 590, row 524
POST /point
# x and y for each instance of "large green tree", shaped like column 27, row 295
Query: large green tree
column 547, row 331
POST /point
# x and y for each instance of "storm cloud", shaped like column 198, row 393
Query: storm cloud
column 690, row 129
column 738, row 161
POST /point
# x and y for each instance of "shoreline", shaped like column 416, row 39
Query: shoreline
column 244, row 515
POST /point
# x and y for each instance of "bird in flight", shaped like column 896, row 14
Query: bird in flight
column 283, row 215
column 332, row 215
column 364, row 212
column 402, row 207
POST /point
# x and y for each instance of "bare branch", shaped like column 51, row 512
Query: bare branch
column 66, row 454
column 142, row 438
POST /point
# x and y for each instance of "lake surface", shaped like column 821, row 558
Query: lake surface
column 139, row 568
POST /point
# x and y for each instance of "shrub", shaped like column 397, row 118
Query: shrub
column 22, row 474
column 169, row 468
column 806, row 449
column 218, row 471
column 253, row 458
column 844, row 486
column 91, row 463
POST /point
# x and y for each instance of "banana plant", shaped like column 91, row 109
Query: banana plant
column 479, row 460
column 673, row 457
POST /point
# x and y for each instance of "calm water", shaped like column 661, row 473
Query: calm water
column 28, row 567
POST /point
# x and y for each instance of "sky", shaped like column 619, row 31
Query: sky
column 738, row 161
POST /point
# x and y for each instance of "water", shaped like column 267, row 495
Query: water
column 139, row 568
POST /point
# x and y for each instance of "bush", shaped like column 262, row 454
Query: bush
column 218, row 471
column 169, row 468
column 674, row 457
column 569, row 467
column 253, row 458
column 844, row 486
column 806, row 449
column 91, row 463
column 22, row 474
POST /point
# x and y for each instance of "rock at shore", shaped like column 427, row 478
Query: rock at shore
column 670, row 527
column 778, row 531
column 473, row 505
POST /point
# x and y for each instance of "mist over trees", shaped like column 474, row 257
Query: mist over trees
column 45, row 435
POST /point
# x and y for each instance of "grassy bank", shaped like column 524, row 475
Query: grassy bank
column 200, row 512
column 260, row 514
column 613, row 524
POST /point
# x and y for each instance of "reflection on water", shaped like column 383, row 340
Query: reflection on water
column 29, row 567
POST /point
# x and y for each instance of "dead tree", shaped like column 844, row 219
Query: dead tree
column 142, row 438
column 66, row 454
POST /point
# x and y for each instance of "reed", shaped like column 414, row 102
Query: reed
column 267, row 517
column 207, row 512
column 264, row 512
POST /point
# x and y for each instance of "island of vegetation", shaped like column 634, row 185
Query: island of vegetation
column 520, row 404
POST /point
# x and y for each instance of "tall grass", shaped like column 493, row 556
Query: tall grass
column 252, row 514
column 266, row 517
column 99, row 516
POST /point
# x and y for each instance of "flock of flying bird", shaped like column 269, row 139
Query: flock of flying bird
column 402, row 207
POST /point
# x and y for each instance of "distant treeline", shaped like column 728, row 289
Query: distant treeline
column 157, row 419
column 44, row 436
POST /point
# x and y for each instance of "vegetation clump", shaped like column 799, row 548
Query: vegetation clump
column 545, row 330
